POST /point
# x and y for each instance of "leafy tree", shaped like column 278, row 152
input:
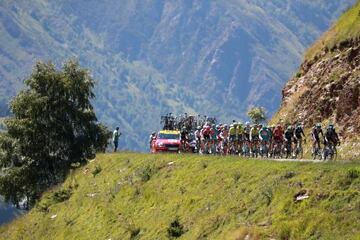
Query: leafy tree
column 53, row 127
column 257, row 114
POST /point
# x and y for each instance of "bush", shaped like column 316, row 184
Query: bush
column 285, row 232
column 236, row 177
column 146, row 173
column 61, row 195
column 176, row 229
column 353, row 173
column 97, row 170
column 289, row 174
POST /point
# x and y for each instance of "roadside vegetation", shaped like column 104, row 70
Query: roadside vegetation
column 53, row 129
column 143, row 196
column 346, row 29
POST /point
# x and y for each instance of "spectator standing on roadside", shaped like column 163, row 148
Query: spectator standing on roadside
column 116, row 136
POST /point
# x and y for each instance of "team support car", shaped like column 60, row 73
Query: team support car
column 166, row 141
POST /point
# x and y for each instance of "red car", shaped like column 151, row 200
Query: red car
column 166, row 141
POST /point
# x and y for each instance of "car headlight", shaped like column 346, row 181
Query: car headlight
column 160, row 144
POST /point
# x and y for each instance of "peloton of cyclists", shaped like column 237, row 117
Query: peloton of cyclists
column 253, row 140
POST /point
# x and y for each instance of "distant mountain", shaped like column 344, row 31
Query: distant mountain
column 326, row 88
column 153, row 56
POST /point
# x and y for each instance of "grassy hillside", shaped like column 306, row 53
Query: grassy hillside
column 138, row 196
column 347, row 28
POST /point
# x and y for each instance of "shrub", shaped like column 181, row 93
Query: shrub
column 146, row 173
column 236, row 176
column 176, row 229
column 61, row 195
column 285, row 232
column 289, row 174
column 97, row 170
column 353, row 174
column 268, row 195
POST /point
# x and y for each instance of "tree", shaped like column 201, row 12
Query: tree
column 257, row 114
column 53, row 127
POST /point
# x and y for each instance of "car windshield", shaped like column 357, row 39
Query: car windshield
column 168, row 136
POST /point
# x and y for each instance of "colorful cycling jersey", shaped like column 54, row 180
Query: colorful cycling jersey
column 205, row 131
column 198, row 134
column 224, row 134
column 254, row 132
column 278, row 132
column 214, row 133
column 232, row 131
column 240, row 130
column 264, row 134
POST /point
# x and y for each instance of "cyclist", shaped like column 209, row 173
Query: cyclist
column 254, row 137
column 205, row 133
column 232, row 135
column 315, row 135
column 232, row 132
column 240, row 136
column 198, row 138
column 289, row 139
column 299, row 134
column 265, row 136
column 278, row 134
column 224, row 136
column 271, row 130
column 247, row 130
column 213, row 136
column 331, row 136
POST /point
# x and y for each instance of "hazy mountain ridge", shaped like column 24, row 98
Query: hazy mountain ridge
column 150, row 57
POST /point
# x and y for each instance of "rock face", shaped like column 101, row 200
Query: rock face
column 326, row 89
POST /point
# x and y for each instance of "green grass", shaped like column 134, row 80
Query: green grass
column 346, row 28
column 139, row 196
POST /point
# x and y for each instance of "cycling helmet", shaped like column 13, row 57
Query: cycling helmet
column 153, row 133
column 232, row 125
column 318, row 125
column 247, row 124
column 263, row 127
column 240, row 123
column 289, row 127
column 198, row 127
column 331, row 126
column 225, row 126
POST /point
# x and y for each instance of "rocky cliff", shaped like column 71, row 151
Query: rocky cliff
column 327, row 86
